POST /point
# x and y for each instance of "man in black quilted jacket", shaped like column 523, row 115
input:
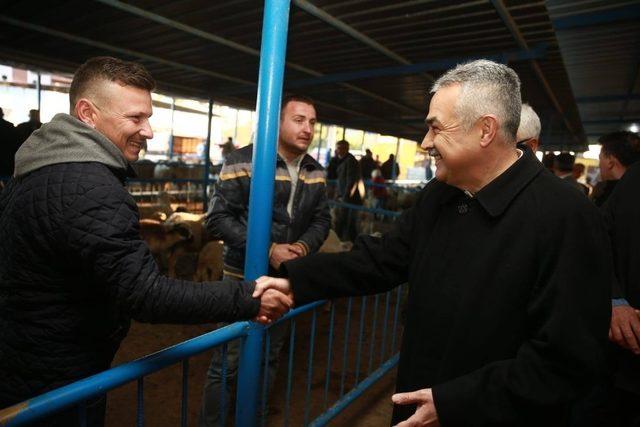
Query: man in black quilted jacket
column 73, row 268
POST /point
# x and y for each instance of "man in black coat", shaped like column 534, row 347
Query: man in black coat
column 618, row 151
column 25, row 129
column 506, row 319
column 347, row 190
column 622, row 210
column 367, row 165
column 390, row 168
column 73, row 268
column 8, row 146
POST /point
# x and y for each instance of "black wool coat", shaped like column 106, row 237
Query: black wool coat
column 74, row 271
column 622, row 210
column 508, row 306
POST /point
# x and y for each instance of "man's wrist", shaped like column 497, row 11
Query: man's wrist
column 302, row 245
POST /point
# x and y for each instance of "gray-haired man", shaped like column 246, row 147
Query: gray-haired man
column 529, row 129
column 506, row 322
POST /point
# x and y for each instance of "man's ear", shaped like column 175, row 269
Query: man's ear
column 488, row 129
column 86, row 112
column 609, row 161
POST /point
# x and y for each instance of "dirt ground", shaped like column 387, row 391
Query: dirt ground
column 162, row 390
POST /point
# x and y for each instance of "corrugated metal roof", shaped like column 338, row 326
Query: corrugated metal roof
column 211, row 49
column 600, row 44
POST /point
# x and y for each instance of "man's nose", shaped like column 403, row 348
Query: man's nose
column 146, row 130
column 427, row 141
column 308, row 128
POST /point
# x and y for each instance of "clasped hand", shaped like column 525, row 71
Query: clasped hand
column 624, row 329
column 275, row 296
column 283, row 252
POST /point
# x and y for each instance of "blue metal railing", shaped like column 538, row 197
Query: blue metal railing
column 76, row 394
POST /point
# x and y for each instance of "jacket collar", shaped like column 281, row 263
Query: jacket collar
column 307, row 162
column 499, row 193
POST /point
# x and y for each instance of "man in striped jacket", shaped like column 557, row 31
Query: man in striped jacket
column 300, row 224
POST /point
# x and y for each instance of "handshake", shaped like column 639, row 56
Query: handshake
column 276, row 299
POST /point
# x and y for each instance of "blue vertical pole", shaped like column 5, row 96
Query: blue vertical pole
column 272, row 60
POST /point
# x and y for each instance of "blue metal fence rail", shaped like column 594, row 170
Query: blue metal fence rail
column 76, row 394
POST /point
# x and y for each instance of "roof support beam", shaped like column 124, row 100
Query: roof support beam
column 620, row 14
column 610, row 121
column 237, row 46
column 539, row 51
column 313, row 10
column 635, row 80
column 606, row 98
column 442, row 64
column 131, row 53
column 519, row 38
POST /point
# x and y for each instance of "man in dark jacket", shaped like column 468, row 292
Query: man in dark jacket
column 8, row 146
column 620, row 162
column 506, row 319
column 390, row 168
column 618, row 151
column 563, row 168
column 347, row 190
column 300, row 224
column 367, row 165
column 74, row 269
column 24, row 130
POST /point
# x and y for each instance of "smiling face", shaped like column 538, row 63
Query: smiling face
column 448, row 141
column 122, row 115
column 297, row 121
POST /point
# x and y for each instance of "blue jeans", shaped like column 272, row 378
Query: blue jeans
column 213, row 408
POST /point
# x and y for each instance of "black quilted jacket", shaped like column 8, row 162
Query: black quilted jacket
column 74, row 271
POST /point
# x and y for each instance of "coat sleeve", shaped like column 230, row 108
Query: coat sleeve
column 374, row 265
column 617, row 291
column 622, row 210
column 103, row 230
column 226, row 215
column 563, row 354
column 318, row 229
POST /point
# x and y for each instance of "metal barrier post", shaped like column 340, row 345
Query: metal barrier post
column 272, row 60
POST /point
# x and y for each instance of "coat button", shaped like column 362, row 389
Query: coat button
column 463, row 208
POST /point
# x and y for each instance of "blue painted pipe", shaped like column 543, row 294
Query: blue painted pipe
column 272, row 60
column 97, row 385
column 356, row 392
